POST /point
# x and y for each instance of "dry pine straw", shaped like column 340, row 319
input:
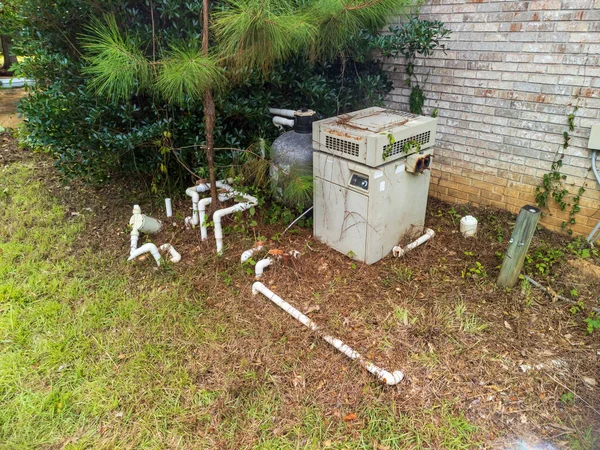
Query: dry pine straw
column 400, row 313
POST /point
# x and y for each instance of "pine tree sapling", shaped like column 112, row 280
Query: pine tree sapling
column 246, row 35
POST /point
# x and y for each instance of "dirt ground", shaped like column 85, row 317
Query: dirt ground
column 517, row 363
column 8, row 106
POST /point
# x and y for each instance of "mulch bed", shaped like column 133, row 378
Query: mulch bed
column 401, row 313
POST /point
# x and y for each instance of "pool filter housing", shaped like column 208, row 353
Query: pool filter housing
column 371, row 180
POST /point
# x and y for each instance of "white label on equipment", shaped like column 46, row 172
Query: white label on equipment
column 378, row 174
column 400, row 168
column 382, row 186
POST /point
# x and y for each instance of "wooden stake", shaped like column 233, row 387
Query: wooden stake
column 518, row 246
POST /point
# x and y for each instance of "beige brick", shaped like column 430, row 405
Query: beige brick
column 504, row 89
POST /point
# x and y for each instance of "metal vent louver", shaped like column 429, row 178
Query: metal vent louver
column 342, row 146
column 398, row 146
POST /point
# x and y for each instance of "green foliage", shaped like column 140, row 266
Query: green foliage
column 10, row 17
column 117, row 67
column 340, row 22
column 93, row 139
column 455, row 216
column 593, row 322
column 186, row 73
column 298, row 191
column 256, row 34
column 416, row 100
column 567, row 398
column 552, row 185
column 542, row 260
column 477, row 271
column 411, row 39
column 579, row 247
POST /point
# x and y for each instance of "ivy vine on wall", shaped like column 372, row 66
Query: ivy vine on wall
column 552, row 186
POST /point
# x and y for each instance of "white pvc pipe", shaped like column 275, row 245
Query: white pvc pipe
column 149, row 247
column 385, row 376
column 16, row 83
column 202, row 205
column 135, row 235
column 169, row 207
column 282, row 112
column 193, row 192
column 175, row 256
column 399, row 251
column 249, row 253
column 280, row 121
column 219, row 214
column 261, row 265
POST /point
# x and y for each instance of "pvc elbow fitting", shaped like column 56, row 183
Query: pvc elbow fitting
column 391, row 379
column 175, row 256
column 249, row 253
column 261, row 265
column 149, row 247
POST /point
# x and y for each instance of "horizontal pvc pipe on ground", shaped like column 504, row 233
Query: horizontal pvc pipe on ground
column 399, row 251
column 389, row 378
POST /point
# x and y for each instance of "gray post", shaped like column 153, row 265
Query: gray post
column 518, row 246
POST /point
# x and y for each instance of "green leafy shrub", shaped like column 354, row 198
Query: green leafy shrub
column 93, row 139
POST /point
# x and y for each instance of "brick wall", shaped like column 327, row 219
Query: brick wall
column 511, row 75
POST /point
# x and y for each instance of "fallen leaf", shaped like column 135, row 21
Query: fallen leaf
column 276, row 252
column 589, row 381
column 312, row 309
column 350, row 417
column 507, row 325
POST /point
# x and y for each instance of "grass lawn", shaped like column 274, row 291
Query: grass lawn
column 100, row 353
